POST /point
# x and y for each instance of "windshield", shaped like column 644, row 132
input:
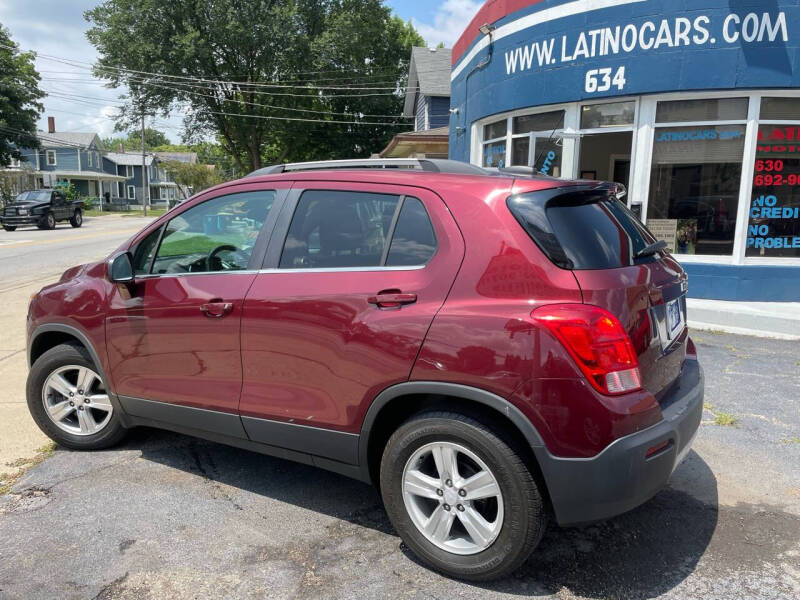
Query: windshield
column 34, row 196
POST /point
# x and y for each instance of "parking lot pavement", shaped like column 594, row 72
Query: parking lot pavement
column 167, row 516
column 29, row 259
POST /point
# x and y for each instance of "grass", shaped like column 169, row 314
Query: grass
column 791, row 440
column 721, row 418
column 725, row 419
column 8, row 480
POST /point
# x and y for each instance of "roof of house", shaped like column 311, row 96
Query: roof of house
column 429, row 72
column 69, row 139
column 409, row 143
column 129, row 158
column 184, row 157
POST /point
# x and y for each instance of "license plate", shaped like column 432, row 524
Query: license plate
column 674, row 318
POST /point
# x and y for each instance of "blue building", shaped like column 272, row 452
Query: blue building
column 694, row 106
column 159, row 187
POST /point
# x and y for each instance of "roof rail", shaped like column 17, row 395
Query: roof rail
column 430, row 165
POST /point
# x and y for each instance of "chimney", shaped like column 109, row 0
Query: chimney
column 51, row 124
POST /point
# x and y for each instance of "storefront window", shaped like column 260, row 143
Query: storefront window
column 494, row 155
column 543, row 122
column 694, row 187
column 774, row 225
column 494, row 152
column 615, row 114
column 720, row 109
column 780, row 109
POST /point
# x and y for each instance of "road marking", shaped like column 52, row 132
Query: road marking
column 6, row 242
column 69, row 239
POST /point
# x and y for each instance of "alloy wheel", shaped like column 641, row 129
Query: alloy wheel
column 76, row 401
column 453, row 498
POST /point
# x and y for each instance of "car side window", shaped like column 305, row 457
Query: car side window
column 413, row 242
column 143, row 255
column 217, row 235
column 336, row 229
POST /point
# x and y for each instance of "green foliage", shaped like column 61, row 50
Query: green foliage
column 70, row 191
column 19, row 100
column 198, row 177
column 153, row 138
column 307, row 43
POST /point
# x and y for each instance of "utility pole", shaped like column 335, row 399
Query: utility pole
column 144, row 170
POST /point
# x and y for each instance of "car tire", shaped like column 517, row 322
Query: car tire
column 517, row 514
column 49, row 397
column 10, row 227
column 48, row 221
column 77, row 219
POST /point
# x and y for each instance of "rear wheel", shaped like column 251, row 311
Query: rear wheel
column 9, row 227
column 77, row 219
column 460, row 497
column 69, row 402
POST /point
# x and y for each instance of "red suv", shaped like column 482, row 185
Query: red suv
column 490, row 349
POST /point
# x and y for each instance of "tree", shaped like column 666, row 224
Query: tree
column 153, row 138
column 19, row 100
column 197, row 177
column 303, row 49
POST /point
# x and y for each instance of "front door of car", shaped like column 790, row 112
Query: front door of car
column 59, row 205
column 353, row 277
column 173, row 336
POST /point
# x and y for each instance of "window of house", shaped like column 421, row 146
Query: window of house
column 613, row 114
column 335, row 229
column 129, row 171
column 131, row 192
column 51, row 157
column 217, row 235
column 494, row 144
column 780, row 109
column 90, row 159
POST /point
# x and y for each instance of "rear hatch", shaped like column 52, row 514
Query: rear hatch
column 618, row 266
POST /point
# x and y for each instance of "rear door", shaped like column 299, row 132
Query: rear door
column 353, row 278
column 587, row 230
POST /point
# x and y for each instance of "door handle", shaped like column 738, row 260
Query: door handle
column 392, row 299
column 216, row 309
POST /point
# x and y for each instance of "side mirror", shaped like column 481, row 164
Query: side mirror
column 120, row 268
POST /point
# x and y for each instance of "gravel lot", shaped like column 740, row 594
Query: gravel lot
column 169, row 516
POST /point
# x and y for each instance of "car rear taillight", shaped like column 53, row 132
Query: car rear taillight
column 597, row 341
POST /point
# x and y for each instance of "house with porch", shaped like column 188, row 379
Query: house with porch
column 159, row 187
column 70, row 157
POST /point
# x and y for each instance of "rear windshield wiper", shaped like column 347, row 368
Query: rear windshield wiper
column 651, row 249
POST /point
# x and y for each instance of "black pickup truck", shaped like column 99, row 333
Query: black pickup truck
column 43, row 208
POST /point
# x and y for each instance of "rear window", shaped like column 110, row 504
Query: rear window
column 582, row 229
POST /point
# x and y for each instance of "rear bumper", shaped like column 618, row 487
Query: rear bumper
column 621, row 477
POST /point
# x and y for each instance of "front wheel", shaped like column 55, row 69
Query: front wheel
column 77, row 219
column 460, row 497
column 69, row 402
column 9, row 227
column 48, row 222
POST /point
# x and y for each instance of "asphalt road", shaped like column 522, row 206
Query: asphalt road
column 167, row 516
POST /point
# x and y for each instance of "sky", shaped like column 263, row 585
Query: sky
column 55, row 29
